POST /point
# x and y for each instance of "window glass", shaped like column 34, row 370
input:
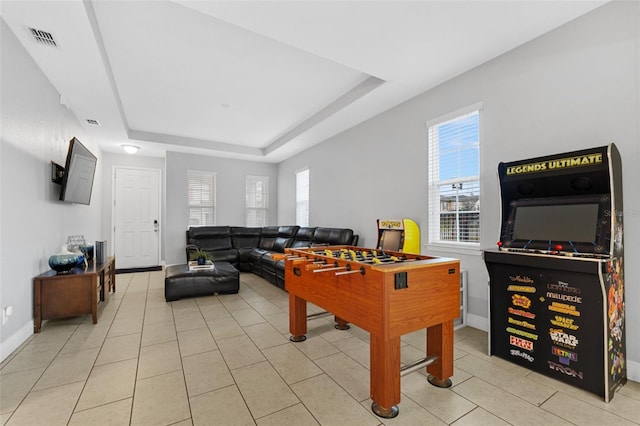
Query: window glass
column 454, row 181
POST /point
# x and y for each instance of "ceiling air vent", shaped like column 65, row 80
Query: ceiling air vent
column 43, row 37
column 93, row 122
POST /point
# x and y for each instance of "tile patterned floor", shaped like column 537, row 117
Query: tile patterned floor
column 227, row 360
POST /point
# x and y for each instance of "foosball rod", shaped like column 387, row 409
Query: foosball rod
column 319, row 315
column 295, row 258
column 355, row 271
column 329, row 269
column 417, row 365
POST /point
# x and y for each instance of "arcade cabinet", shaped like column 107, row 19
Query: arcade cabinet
column 398, row 235
column 556, row 280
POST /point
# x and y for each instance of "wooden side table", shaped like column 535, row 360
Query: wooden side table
column 73, row 293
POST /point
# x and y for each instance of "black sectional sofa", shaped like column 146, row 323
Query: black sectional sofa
column 249, row 249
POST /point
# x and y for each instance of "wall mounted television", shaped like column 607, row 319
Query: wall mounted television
column 79, row 172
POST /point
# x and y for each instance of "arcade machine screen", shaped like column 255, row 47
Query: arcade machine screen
column 574, row 222
column 391, row 240
column 576, row 226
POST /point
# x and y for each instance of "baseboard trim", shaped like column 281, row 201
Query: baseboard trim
column 633, row 371
column 132, row 270
column 12, row 343
column 476, row 321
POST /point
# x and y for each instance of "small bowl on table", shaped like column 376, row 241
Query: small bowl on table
column 63, row 263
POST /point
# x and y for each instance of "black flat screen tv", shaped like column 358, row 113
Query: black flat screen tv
column 79, row 172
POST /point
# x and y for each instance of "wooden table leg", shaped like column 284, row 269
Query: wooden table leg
column 341, row 324
column 385, row 376
column 297, row 318
column 102, row 280
column 440, row 344
column 37, row 321
column 112, row 272
column 94, row 300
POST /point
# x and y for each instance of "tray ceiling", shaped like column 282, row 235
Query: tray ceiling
column 259, row 80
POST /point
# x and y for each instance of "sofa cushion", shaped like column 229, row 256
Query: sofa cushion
column 210, row 237
column 256, row 254
column 226, row 255
column 243, row 254
column 281, row 243
column 303, row 237
column 269, row 263
column 196, row 232
column 332, row 236
column 287, row 231
column 268, row 237
column 244, row 237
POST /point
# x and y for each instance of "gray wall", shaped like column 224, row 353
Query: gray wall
column 230, row 195
column 35, row 130
column 573, row 88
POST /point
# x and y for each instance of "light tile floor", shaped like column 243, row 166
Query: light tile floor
column 227, row 360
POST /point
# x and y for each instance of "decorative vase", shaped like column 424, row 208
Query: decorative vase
column 202, row 261
column 64, row 262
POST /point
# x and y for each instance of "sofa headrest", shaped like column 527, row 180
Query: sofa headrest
column 197, row 232
column 244, row 238
column 300, row 243
column 243, row 230
column 281, row 243
column 287, row 231
column 333, row 236
column 270, row 231
column 305, row 234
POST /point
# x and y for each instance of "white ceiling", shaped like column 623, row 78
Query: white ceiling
column 261, row 80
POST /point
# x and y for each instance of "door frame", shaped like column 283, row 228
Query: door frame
column 112, row 231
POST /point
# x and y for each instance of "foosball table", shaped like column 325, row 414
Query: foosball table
column 386, row 293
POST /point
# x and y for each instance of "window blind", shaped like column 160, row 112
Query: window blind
column 257, row 200
column 201, row 194
column 454, row 183
column 302, row 197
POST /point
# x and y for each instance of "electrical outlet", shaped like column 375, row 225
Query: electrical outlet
column 6, row 313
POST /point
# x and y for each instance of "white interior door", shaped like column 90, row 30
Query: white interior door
column 137, row 217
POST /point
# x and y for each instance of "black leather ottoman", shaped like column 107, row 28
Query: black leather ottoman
column 180, row 282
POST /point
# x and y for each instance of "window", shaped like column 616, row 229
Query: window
column 302, row 197
column 454, row 178
column 202, row 198
column 257, row 200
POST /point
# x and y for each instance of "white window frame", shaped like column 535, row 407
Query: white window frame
column 256, row 201
column 302, row 196
column 205, row 202
column 434, row 183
